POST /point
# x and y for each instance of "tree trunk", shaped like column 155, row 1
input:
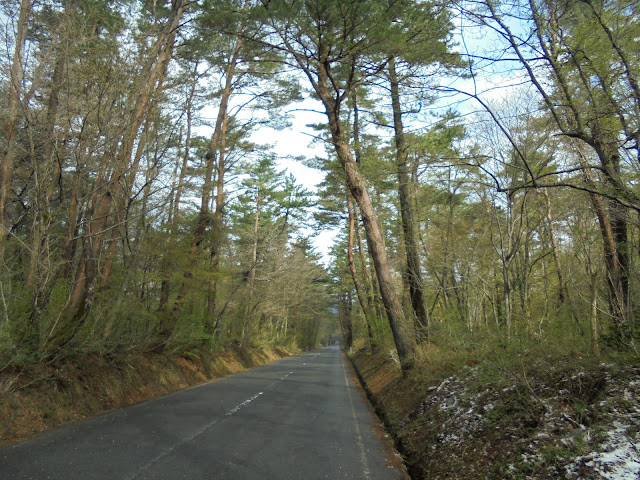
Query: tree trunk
column 562, row 293
column 12, row 119
column 358, row 188
column 393, row 307
column 370, row 282
column 40, row 237
column 610, row 161
column 414, row 274
column 252, row 271
column 185, row 162
column 617, row 298
column 216, row 241
column 203, row 218
column 619, row 227
column 368, row 272
column 150, row 79
column 362, row 298
column 122, row 206
column 181, row 163
column 345, row 320
column 595, row 347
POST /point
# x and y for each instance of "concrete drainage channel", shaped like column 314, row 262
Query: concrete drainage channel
column 395, row 450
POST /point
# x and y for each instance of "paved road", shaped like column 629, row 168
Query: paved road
column 299, row 418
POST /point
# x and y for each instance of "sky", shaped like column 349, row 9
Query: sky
column 297, row 141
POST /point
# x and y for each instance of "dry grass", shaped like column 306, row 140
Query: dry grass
column 39, row 397
column 490, row 410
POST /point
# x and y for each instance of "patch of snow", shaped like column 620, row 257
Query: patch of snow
column 628, row 396
column 618, row 458
column 394, row 356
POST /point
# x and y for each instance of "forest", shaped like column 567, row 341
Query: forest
column 481, row 166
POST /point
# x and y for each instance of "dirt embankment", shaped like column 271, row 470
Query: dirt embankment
column 538, row 419
column 38, row 397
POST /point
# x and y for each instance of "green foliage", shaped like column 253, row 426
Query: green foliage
column 491, row 273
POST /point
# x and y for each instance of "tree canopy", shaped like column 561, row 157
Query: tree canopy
column 138, row 212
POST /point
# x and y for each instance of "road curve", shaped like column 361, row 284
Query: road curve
column 299, row 418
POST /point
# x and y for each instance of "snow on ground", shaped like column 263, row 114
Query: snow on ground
column 580, row 425
column 618, row 456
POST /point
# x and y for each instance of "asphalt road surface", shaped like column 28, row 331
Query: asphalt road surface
column 299, row 418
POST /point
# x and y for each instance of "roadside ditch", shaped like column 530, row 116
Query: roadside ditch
column 543, row 418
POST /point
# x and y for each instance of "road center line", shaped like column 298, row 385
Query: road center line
column 173, row 447
column 192, row 437
column 240, row 405
column 214, row 422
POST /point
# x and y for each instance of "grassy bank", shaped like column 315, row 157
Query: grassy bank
column 34, row 398
column 501, row 413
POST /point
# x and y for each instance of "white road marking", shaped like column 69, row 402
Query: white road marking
column 192, row 437
column 363, row 455
column 231, row 412
column 246, row 402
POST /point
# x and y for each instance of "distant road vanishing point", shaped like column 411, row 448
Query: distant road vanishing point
column 299, row 418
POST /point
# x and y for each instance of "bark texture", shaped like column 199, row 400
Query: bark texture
column 405, row 197
column 360, row 292
column 358, row 188
column 12, row 119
